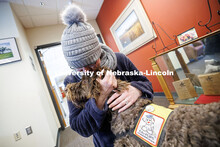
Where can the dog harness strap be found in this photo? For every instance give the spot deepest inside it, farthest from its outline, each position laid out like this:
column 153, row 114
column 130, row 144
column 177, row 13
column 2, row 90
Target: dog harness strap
column 150, row 126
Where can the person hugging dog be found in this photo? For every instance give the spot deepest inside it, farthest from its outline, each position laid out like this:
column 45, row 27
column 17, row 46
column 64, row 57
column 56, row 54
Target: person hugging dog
column 83, row 52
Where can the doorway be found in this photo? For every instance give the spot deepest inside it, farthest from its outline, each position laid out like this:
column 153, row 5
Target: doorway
column 55, row 69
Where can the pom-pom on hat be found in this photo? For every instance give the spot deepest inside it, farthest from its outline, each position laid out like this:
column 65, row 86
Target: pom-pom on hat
column 79, row 42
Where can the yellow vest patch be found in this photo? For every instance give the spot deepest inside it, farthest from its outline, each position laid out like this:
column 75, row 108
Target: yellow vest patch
column 151, row 123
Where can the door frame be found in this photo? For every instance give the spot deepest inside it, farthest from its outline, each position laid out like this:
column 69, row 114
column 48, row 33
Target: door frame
column 53, row 97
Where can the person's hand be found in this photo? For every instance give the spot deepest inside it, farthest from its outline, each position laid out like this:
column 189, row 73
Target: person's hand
column 124, row 100
column 108, row 83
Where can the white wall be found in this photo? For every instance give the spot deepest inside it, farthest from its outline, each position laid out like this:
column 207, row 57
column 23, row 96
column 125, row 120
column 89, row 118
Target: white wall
column 24, row 99
column 7, row 20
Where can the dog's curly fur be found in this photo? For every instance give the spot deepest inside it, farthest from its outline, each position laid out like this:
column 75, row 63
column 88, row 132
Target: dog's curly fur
column 194, row 126
column 188, row 126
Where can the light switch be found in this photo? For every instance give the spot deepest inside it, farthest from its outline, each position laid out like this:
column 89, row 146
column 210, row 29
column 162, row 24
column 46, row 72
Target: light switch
column 29, row 130
column 17, row 136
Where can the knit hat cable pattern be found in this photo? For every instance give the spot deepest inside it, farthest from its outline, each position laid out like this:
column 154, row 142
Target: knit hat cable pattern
column 79, row 41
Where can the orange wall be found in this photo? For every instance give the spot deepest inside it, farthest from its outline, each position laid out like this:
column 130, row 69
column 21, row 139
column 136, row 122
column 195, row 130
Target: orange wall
column 174, row 16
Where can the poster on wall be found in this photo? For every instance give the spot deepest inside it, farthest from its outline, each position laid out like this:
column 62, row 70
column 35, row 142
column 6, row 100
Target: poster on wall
column 9, row 51
column 132, row 29
column 187, row 36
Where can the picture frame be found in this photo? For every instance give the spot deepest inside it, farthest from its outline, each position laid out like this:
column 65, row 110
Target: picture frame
column 187, row 36
column 132, row 29
column 9, row 51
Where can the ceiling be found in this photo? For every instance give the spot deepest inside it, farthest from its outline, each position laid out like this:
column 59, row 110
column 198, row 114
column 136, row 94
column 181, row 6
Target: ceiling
column 32, row 13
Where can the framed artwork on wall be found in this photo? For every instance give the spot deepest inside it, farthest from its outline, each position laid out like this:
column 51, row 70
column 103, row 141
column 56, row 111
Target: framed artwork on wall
column 132, row 29
column 187, row 36
column 9, row 51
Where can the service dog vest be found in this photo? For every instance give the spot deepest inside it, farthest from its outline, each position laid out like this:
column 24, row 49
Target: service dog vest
column 150, row 125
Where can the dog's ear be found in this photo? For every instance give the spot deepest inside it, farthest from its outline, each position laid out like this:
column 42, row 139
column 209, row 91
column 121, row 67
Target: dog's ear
column 73, row 93
column 69, row 90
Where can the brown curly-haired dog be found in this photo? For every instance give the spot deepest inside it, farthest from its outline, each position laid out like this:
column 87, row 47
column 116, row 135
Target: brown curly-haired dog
column 187, row 126
column 194, row 126
column 89, row 87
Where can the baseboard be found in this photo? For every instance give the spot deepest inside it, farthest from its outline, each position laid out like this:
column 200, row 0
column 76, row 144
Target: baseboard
column 58, row 138
column 159, row 94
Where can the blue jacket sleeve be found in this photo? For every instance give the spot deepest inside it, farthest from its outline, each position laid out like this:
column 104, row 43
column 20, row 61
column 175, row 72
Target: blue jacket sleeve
column 86, row 121
column 139, row 81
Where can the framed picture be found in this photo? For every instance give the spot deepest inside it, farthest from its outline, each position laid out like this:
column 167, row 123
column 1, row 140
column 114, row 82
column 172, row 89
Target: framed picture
column 132, row 29
column 9, row 51
column 187, row 36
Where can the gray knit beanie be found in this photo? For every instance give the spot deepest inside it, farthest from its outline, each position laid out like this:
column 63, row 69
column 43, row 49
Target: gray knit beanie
column 79, row 42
